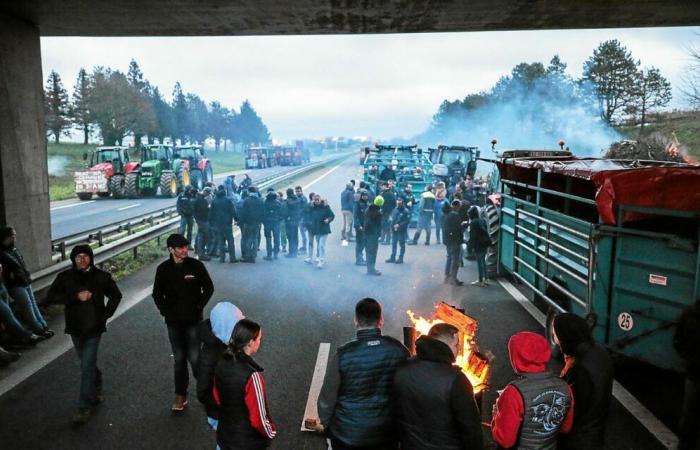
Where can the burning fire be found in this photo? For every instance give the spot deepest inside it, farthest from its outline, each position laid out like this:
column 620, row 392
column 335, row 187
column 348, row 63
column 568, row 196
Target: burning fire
column 474, row 365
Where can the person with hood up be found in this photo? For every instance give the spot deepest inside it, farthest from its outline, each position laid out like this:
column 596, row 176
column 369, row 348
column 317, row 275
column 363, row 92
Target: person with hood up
column 18, row 281
column 532, row 410
column 347, row 203
column 358, row 221
column 221, row 217
column 181, row 289
column 319, row 221
column 589, row 371
column 479, row 242
column 82, row 289
column 434, row 401
column 244, row 422
column 246, row 183
column 215, row 334
column 272, row 216
column 251, row 217
column 426, row 210
column 400, row 219
column 372, row 225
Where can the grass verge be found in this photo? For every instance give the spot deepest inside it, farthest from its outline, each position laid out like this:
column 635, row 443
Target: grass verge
column 125, row 264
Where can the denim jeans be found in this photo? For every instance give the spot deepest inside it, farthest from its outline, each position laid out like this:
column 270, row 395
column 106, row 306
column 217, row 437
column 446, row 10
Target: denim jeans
column 202, row 239
column 8, row 319
column 28, row 309
column 438, row 229
column 90, row 375
column 347, row 224
column 224, row 236
column 481, row 264
column 398, row 239
column 293, row 237
column 185, row 346
column 452, row 262
column 424, row 223
column 320, row 241
column 272, row 238
column 304, row 235
column 186, row 225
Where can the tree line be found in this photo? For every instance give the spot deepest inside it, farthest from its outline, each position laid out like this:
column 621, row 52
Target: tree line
column 613, row 86
column 117, row 105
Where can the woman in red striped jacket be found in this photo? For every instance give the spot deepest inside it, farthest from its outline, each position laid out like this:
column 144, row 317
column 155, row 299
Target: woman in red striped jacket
column 239, row 390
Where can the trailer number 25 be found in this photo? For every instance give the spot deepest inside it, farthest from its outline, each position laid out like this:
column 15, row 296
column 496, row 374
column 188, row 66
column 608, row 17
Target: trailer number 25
column 625, row 321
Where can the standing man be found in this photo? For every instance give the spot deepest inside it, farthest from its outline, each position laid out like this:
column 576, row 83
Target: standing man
column 373, row 231
column 387, row 209
column 433, row 399
column 82, row 289
column 201, row 216
column 347, row 200
column 358, row 220
column 271, row 222
column 221, row 217
column 355, row 405
column 304, row 203
column 185, row 208
column 400, row 219
column 181, row 290
column 292, row 213
column 426, row 211
column 251, row 217
column 453, row 237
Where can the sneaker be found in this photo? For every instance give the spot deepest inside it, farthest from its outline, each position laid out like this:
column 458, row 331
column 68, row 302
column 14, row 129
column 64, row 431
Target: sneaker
column 412, row 243
column 81, row 417
column 308, row 260
column 458, row 283
column 46, row 333
column 375, row 273
column 320, row 263
column 390, row 260
column 399, row 261
column 360, row 263
column 180, row 403
column 478, row 283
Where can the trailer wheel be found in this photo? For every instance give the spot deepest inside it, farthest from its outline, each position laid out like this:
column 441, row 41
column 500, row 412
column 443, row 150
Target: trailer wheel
column 549, row 332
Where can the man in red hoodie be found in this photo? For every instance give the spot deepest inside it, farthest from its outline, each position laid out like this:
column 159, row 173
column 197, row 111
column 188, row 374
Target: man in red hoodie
column 533, row 409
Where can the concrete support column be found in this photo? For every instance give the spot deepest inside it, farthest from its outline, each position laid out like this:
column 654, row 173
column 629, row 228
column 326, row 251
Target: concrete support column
column 24, row 180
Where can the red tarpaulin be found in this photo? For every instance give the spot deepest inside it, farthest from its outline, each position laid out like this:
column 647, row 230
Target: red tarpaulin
column 651, row 184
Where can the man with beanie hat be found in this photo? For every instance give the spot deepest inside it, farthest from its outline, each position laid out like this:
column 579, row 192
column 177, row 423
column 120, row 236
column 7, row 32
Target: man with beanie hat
column 532, row 410
column 215, row 335
column 589, row 372
column 181, row 289
column 82, row 289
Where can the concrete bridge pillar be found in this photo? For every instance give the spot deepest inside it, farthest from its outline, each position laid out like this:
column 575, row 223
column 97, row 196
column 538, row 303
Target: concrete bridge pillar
column 24, row 180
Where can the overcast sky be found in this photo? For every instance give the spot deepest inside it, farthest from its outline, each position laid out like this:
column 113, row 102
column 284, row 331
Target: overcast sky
column 354, row 85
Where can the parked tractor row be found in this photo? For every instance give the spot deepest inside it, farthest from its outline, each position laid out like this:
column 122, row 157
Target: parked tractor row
column 162, row 170
column 264, row 157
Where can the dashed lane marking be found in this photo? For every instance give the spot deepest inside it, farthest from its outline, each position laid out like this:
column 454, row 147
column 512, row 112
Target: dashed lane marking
column 311, row 410
column 660, row 431
column 56, row 208
column 128, row 207
column 322, row 176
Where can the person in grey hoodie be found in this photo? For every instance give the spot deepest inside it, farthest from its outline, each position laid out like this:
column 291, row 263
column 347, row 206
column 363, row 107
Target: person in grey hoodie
column 215, row 334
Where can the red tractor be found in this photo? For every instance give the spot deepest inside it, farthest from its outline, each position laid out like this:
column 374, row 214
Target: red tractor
column 106, row 173
column 201, row 171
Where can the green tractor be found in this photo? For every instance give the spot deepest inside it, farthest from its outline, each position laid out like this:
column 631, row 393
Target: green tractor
column 159, row 168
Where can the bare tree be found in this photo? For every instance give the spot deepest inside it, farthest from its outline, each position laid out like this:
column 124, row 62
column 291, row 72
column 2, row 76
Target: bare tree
column 691, row 80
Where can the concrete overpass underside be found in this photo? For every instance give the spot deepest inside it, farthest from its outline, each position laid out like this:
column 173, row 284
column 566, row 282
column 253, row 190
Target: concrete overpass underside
column 24, row 200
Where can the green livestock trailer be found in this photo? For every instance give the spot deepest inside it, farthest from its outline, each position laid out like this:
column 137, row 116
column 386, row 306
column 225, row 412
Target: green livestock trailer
column 613, row 241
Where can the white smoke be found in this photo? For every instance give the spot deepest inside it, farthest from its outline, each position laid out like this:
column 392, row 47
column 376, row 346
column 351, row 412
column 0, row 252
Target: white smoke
column 57, row 165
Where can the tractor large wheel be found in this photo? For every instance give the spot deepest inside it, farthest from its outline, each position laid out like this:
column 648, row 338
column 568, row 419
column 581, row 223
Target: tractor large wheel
column 168, row 185
column 208, row 173
column 131, row 185
column 84, row 195
column 182, row 178
column 196, row 179
column 117, row 186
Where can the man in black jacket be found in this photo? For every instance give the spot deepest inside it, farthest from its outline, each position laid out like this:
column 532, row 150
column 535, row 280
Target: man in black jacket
column 181, row 290
column 292, row 215
column 201, row 216
column 185, row 207
column 453, row 236
column 433, row 399
column 221, row 217
column 355, row 401
column 358, row 221
column 251, row 217
column 271, row 220
column 82, row 289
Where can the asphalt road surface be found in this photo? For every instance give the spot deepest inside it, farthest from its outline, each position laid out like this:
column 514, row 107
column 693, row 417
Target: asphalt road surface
column 75, row 216
column 299, row 307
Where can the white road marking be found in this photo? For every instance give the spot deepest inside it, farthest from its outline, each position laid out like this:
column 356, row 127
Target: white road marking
column 56, row 208
column 322, row 176
column 311, row 410
column 128, row 207
column 660, row 431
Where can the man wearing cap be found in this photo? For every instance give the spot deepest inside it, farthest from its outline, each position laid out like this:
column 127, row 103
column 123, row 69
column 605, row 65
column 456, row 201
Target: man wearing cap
column 82, row 289
column 181, row 289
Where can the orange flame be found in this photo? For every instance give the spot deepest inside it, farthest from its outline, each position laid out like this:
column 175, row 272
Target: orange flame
column 473, row 364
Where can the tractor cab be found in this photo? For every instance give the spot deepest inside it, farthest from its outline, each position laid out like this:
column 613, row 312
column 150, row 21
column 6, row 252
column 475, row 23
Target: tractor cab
column 162, row 154
column 450, row 163
column 108, row 159
column 107, row 167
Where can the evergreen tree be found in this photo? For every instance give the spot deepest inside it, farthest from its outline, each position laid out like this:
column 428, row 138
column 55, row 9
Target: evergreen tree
column 252, row 129
column 613, row 73
column 651, row 91
column 179, row 111
column 79, row 107
column 56, row 107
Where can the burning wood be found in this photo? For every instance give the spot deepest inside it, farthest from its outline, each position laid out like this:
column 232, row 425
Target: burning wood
column 474, row 365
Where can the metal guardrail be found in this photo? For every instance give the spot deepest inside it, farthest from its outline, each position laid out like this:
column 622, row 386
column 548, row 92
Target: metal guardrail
column 105, row 251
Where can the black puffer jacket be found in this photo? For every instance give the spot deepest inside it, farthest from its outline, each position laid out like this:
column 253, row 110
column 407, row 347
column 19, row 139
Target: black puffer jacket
column 434, row 402
column 87, row 318
column 355, row 402
column 273, row 209
column 15, row 272
column 181, row 291
column 292, row 209
column 252, row 210
column 318, row 214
